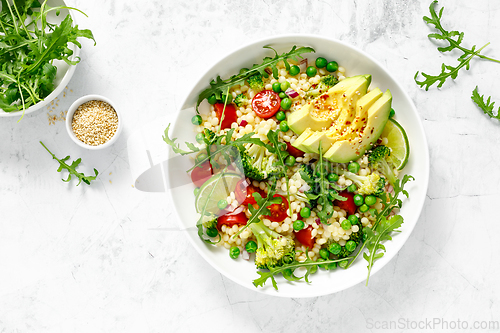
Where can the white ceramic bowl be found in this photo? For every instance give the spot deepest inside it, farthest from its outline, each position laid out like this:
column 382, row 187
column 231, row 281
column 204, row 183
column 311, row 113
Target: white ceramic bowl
column 64, row 71
column 71, row 112
column 356, row 62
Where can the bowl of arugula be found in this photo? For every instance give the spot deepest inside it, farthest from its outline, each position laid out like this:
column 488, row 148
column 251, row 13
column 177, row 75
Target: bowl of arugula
column 39, row 51
column 375, row 254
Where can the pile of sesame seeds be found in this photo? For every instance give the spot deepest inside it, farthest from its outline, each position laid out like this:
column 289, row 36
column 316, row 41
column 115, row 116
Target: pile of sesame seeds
column 95, row 122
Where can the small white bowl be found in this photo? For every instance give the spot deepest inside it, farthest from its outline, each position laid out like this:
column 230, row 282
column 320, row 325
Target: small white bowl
column 71, row 112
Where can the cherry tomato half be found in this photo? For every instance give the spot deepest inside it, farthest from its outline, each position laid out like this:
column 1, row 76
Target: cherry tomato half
column 305, row 237
column 293, row 151
column 278, row 211
column 349, row 206
column 230, row 220
column 229, row 114
column 266, row 103
column 244, row 192
column 201, row 174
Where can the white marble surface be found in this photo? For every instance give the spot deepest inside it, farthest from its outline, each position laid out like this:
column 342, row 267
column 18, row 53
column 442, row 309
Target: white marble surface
column 88, row 258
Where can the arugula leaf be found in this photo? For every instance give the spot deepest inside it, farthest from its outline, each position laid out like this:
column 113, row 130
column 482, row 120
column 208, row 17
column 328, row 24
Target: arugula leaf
column 487, row 106
column 71, row 168
column 382, row 232
column 175, row 146
column 453, row 40
column 218, row 86
column 287, row 270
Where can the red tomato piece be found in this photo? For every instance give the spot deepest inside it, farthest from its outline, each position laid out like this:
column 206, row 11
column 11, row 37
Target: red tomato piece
column 349, row 206
column 266, row 103
column 279, row 212
column 305, row 237
column 230, row 220
column 200, row 174
column 293, row 151
column 244, row 192
column 229, row 114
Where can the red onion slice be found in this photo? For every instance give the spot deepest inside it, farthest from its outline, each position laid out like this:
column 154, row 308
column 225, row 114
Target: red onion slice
column 243, row 123
column 245, row 255
column 303, row 65
column 292, row 93
column 304, row 188
column 237, row 210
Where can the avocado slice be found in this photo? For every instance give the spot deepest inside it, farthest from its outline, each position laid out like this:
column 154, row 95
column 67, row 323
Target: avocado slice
column 349, row 109
column 321, row 112
column 299, row 142
column 352, row 148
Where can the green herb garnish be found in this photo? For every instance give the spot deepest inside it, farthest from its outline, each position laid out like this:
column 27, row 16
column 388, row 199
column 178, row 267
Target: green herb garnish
column 487, row 106
column 218, row 86
column 454, row 40
column 27, row 51
column 71, row 168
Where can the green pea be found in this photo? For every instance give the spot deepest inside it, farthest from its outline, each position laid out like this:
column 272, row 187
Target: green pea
column 353, row 167
column 324, row 253
column 284, row 86
column 298, row 225
column 352, row 188
column 212, row 232
column 365, row 235
column 201, row 157
column 370, row 200
column 305, row 212
column 212, row 99
column 251, row 246
column 358, row 200
column 282, row 95
column 286, row 103
column 321, row 62
column 334, row 248
column 343, row 263
column 290, row 161
column 332, row 266
column 196, row 191
column 324, row 266
column 277, row 87
column 392, row 113
column 196, row 120
column 280, row 115
column 284, row 126
column 234, row 252
column 200, row 138
column 222, row 204
column 354, row 219
column 332, row 66
column 294, row 70
column 311, row 71
column 346, row 224
column 364, row 208
column 350, row 246
column 332, row 177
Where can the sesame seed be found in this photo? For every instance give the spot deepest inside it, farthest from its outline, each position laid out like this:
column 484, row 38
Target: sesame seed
column 95, row 122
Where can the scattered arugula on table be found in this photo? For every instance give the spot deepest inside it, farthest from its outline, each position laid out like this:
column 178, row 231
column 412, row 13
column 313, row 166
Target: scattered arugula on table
column 71, row 168
column 219, row 86
column 487, row 106
column 453, row 39
column 28, row 46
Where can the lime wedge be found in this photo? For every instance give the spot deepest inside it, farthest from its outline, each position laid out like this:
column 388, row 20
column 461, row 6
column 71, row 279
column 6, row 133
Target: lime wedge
column 398, row 142
column 216, row 188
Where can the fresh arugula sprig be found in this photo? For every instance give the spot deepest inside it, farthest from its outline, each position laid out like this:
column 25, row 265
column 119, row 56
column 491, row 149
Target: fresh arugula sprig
column 71, row 168
column 27, row 51
column 287, row 270
column 218, row 86
column 382, row 227
column 487, row 106
column 453, row 40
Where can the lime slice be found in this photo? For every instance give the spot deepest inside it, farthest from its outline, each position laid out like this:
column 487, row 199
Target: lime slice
column 216, row 188
column 398, row 142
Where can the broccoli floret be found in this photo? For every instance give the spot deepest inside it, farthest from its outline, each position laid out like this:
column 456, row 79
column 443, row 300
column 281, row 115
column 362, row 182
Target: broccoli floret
column 307, row 174
column 240, row 100
column 209, row 221
column 273, row 249
column 255, row 82
column 257, row 164
column 325, row 83
column 378, row 161
column 370, row 184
